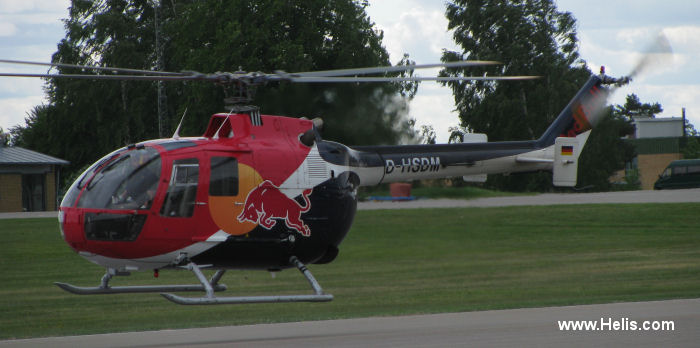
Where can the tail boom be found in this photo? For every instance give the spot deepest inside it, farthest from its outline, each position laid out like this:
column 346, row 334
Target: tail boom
column 557, row 149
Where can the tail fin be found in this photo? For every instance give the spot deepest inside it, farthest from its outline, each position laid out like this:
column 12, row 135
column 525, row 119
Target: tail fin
column 569, row 131
column 581, row 114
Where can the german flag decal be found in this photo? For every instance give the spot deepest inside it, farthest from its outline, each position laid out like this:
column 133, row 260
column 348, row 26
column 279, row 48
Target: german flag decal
column 567, row 150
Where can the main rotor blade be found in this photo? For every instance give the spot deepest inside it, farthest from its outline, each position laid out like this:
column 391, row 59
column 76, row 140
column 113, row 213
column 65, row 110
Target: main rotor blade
column 256, row 78
column 113, row 77
column 386, row 69
column 407, row 79
column 121, row 70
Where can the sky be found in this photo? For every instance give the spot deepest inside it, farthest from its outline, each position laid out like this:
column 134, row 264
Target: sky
column 611, row 33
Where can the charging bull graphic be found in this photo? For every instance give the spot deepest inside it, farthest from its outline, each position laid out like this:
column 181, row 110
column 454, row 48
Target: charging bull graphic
column 266, row 202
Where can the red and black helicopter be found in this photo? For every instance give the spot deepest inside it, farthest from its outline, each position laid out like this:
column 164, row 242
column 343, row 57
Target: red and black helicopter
column 267, row 192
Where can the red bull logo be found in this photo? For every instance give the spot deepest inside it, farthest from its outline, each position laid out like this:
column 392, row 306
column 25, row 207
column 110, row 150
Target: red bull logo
column 266, row 203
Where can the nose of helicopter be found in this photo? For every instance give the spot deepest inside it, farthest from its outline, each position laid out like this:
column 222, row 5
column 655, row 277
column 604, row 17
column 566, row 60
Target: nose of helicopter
column 61, row 216
column 70, row 227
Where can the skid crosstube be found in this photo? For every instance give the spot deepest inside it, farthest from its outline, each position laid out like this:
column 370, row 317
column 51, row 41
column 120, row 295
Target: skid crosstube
column 210, row 299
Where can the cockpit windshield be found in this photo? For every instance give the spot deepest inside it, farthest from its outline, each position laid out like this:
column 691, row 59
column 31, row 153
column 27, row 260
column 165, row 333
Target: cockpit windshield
column 127, row 181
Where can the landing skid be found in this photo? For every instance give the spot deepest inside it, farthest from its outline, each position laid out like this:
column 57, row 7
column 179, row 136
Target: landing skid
column 207, row 285
column 104, row 287
column 210, row 299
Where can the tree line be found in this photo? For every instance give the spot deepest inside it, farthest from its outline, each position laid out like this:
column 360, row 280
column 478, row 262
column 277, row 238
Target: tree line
column 85, row 119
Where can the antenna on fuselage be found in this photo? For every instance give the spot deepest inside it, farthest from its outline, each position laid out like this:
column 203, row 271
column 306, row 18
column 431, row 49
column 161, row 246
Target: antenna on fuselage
column 176, row 135
column 216, row 135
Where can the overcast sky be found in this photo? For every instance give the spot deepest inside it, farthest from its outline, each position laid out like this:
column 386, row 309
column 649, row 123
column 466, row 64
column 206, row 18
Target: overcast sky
column 611, row 33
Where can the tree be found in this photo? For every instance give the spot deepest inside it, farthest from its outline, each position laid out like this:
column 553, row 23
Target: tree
column 291, row 36
column 37, row 131
column 530, row 38
column 5, row 138
column 634, row 108
column 427, row 134
column 90, row 118
column 85, row 119
column 456, row 134
column 606, row 152
column 690, row 148
column 690, row 129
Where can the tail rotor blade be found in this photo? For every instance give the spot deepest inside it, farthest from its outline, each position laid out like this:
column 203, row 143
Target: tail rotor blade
column 656, row 54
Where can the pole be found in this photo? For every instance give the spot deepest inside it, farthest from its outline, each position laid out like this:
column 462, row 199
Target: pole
column 684, row 132
column 162, row 98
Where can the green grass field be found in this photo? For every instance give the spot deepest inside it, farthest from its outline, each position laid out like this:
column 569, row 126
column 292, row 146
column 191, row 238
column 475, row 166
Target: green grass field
column 392, row 263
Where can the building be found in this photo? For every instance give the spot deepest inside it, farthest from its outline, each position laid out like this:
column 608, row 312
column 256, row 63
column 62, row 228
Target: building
column 658, row 141
column 661, row 127
column 28, row 180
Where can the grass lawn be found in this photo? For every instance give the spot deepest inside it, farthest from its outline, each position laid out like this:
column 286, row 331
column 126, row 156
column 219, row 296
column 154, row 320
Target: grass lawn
column 392, row 263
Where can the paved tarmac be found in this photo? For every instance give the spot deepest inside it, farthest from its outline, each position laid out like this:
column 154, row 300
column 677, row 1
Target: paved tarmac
column 532, row 327
column 666, row 196
column 29, row 215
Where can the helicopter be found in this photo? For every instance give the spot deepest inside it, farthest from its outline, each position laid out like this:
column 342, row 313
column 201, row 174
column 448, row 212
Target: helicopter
column 266, row 192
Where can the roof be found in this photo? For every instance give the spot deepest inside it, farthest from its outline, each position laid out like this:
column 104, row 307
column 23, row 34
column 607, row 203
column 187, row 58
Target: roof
column 17, row 155
column 656, row 119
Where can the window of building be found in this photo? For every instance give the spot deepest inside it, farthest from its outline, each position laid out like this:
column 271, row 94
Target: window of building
column 33, row 192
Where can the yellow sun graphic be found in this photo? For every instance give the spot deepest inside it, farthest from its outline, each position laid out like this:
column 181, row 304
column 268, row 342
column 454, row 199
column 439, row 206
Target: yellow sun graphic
column 225, row 209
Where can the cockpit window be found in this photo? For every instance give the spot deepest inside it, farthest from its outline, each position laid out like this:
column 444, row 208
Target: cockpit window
column 128, row 181
column 77, row 186
column 182, row 192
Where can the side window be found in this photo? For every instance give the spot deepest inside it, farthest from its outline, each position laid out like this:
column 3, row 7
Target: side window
column 224, row 176
column 182, row 192
column 680, row 170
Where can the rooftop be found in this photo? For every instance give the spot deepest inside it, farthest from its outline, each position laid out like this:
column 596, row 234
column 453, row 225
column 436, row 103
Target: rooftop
column 17, row 155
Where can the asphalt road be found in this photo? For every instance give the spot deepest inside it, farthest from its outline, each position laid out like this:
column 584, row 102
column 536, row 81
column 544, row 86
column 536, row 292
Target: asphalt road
column 503, row 328
column 666, row 196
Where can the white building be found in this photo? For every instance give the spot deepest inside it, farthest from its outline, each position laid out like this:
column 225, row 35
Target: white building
column 660, row 127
